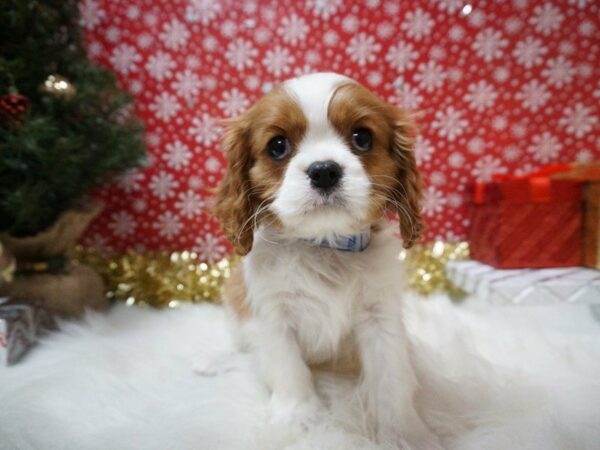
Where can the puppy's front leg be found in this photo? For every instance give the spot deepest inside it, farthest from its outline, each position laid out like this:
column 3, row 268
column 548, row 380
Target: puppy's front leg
column 294, row 399
column 388, row 382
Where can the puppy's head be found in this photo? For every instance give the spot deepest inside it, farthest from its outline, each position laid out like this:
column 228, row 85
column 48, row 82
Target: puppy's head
column 318, row 156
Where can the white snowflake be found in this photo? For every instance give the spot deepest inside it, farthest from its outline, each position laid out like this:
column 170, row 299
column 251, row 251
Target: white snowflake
column 189, row 204
column 499, row 123
column 252, row 82
column 131, row 180
column 533, row 95
column 210, row 248
column 234, row 102
column 477, row 18
column 139, row 205
column 240, row 53
column 205, row 129
column 481, row 96
column 489, row 44
column 278, row 61
column 456, row 160
column 132, row 12
column 476, row 146
column 401, row 56
column 163, row 185
column 122, row 224
column 350, row 24
column 228, row 28
column 487, row 166
column 437, row 52
column 512, row 153
column 513, row 25
column 430, row 76
column 168, row 225
column 176, row 155
column 160, row 66
column 501, row 74
column 417, row 24
column 113, row 34
column 456, row 33
column 363, row 48
column 165, row 105
column 213, row 165
column 90, row 14
column 578, row 120
column 449, row 123
column 450, row 6
column 437, row 178
column 293, row 29
column 174, row 35
column 145, row 40
column 423, row 149
column 196, row 182
column 331, row 38
column 324, row 8
column 566, row 48
column 385, row 30
column 529, row 52
column 186, row 84
column 546, row 18
column 545, row 147
column 433, row 201
column 203, row 11
column 587, row 28
column 124, row 58
column 559, row 71
column 408, row 96
column 374, row 78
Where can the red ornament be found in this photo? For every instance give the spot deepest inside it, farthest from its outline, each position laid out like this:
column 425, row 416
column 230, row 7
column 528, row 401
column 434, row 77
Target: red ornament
column 12, row 108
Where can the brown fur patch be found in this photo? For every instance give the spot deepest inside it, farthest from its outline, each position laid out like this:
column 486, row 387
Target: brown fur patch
column 252, row 176
column 390, row 163
column 234, row 293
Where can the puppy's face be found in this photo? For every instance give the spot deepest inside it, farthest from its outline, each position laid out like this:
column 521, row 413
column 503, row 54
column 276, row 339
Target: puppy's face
column 318, row 156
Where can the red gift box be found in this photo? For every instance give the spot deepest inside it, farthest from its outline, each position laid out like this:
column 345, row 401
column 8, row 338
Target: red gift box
column 527, row 221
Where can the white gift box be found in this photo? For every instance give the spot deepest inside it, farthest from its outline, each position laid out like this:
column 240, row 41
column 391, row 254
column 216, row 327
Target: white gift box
column 576, row 285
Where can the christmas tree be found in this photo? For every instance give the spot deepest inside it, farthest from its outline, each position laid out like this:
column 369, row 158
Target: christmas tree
column 65, row 126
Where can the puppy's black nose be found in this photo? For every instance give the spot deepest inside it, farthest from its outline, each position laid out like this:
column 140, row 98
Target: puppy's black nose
column 324, row 175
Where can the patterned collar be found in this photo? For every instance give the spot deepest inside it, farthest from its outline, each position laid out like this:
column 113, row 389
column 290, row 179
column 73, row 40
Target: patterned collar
column 347, row 243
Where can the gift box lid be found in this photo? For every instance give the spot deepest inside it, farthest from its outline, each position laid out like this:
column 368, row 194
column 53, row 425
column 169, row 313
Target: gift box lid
column 540, row 186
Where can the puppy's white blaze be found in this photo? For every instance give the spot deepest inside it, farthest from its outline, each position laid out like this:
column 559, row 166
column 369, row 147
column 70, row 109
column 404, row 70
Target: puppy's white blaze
column 296, row 203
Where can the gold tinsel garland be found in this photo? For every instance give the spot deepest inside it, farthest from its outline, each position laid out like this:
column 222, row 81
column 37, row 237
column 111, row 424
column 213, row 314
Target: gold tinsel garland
column 165, row 279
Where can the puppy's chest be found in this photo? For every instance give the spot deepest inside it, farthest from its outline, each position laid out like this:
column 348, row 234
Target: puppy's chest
column 317, row 294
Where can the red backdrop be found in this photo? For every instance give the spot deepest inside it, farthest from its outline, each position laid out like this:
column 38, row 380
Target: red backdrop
column 501, row 86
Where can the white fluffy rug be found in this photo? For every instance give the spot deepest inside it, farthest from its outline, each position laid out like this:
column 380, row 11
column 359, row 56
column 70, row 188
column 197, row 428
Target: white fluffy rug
column 494, row 379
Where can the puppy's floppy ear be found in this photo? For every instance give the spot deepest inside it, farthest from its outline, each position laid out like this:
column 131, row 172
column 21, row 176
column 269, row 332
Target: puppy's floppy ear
column 407, row 192
column 234, row 204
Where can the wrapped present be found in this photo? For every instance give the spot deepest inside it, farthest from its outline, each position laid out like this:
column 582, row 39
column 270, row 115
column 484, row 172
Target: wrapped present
column 589, row 174
column 573, row 285
column 527, row 221
column 21, row 323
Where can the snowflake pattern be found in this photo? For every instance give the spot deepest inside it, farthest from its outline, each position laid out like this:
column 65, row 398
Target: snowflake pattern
column 500, row 87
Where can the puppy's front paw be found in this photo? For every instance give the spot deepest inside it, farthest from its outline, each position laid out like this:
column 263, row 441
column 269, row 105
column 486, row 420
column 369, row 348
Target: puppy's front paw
column 288, row 412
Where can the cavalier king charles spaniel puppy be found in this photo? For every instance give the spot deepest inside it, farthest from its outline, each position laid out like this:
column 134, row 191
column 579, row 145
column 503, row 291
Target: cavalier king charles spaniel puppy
column 314, row 170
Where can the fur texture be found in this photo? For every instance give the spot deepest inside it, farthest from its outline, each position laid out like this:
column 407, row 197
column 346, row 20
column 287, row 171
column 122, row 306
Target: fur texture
column 492, row 378
column 299, row 304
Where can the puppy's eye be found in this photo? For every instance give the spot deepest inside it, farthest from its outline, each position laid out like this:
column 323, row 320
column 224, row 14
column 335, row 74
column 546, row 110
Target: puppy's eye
column 279, row 147
column 362, row 139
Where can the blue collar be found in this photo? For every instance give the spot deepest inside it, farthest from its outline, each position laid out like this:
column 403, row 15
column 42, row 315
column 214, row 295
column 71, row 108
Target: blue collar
column 346, row 243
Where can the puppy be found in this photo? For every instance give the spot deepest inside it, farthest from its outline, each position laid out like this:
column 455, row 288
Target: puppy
column 314, row 169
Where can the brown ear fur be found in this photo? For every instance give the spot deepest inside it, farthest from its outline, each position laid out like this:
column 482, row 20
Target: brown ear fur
column 234, row 205
column 407, row 193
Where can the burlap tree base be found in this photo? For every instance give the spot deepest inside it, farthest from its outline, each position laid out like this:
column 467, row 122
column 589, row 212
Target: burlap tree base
column 64, row 288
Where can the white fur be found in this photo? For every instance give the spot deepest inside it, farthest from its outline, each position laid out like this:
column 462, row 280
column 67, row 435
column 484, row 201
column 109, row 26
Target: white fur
column 500, row 378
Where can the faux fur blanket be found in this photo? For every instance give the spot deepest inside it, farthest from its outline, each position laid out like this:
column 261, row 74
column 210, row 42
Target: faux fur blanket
column 494, row 378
